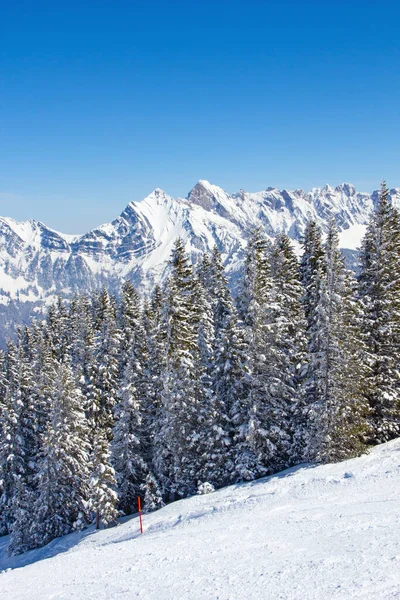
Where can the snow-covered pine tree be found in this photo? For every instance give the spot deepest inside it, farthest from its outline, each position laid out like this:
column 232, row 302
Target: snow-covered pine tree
column 287, row 353
column 336, row 407
column 82, row 340
column 278, row 359
column 38, row 352
column 57, row 325
column 210, row 446
column 104, row 369
column 176, row 443
column 102, row 395
column 5, row 479
column 256, row 277
column 103, row 497
column 152, row 494
column 313, row 273
column 253, row 302
column 22, row 505
column 130, row 447
column 62, row 478
column 379, row 294
column 155, row 363
column 312, row 270
column 129, row 319
column 228, row 462
column 19, row 434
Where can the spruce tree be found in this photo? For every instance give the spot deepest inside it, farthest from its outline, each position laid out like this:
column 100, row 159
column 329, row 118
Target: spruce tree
column 103, row 497
column 277, row 358
column 379, row 295
column 103, row 371
column 62, row 479
column 152, row 494
column 337, row 410
column 312, row 273
column 253, row 302
column 229, row 459
column 176, row 447
column 129, row 448
column 19, row 434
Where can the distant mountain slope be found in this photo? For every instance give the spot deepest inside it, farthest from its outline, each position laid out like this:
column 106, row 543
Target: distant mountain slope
column 308, row 533
column 36, row 262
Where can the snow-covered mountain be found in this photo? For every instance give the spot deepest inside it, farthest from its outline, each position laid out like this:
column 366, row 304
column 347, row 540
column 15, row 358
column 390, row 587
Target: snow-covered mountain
column 36, row 262
column 308, row 533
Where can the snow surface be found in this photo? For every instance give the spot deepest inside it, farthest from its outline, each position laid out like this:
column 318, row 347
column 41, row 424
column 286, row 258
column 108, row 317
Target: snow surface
column 351, row 238
column 307, row 533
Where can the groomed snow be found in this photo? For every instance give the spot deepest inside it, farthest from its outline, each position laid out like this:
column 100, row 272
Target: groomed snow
column 308, row 533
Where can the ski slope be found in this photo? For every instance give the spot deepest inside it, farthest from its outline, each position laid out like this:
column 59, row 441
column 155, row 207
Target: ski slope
column 307, row 533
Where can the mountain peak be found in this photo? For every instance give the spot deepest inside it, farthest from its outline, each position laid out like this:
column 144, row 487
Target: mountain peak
column 157, row 196
column 346, row 188
column 204, row 183
column 206, row 195
column 157, row 193
column 205, row 187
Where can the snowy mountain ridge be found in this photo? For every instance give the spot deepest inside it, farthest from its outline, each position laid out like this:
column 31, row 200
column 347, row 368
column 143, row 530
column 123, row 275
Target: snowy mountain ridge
column 37, row 262
column 312, row 532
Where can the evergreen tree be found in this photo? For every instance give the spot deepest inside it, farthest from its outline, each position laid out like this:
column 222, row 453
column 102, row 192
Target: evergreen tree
column 153, row 496
column 104, row 369
column 129, row 321
column 209, row 442
column 19, row 434
column 176, row 447
column 155, row 363
column 379, row 294
column 256, row 279
column 313, row 273
column 129, row 450
column 82, row 341
column 62, row 478
column 337, row 414
column 228, row 460
column 57, row 325
column 278, row 359
column 102, row 394
column 103, row 497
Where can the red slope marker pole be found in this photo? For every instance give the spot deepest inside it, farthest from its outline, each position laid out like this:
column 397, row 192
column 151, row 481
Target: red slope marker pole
column 140, row 514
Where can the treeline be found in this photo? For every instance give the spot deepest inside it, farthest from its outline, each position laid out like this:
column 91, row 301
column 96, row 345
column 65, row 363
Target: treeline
column 109, row 399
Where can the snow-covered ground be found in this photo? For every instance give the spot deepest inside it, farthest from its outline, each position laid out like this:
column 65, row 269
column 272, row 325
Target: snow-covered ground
column 307, row 533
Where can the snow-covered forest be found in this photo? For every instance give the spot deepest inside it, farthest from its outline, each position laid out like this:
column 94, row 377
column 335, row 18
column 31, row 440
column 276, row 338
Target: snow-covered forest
column 113, row 398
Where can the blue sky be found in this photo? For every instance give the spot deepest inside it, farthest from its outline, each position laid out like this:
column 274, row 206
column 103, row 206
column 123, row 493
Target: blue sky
column 101, row 102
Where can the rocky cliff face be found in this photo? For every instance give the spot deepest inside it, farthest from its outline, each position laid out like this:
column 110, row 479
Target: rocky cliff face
column 37, row 263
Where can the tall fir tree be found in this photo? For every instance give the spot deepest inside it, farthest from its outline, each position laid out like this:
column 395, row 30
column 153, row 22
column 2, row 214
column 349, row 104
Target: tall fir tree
column 103, row 498
column 176, row 444
column 379, row 295
column 104, row 369
column 278, row 357
column 336, row 409
column 228, row 461
column 62, row 477
column 253, row 304
column 19, row 440
column 130, row 447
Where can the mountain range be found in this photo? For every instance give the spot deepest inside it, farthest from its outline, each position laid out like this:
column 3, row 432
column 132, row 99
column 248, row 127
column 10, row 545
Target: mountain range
column 38, row 263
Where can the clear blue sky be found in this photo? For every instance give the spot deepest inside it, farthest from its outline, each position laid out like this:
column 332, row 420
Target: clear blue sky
column 102, row 101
